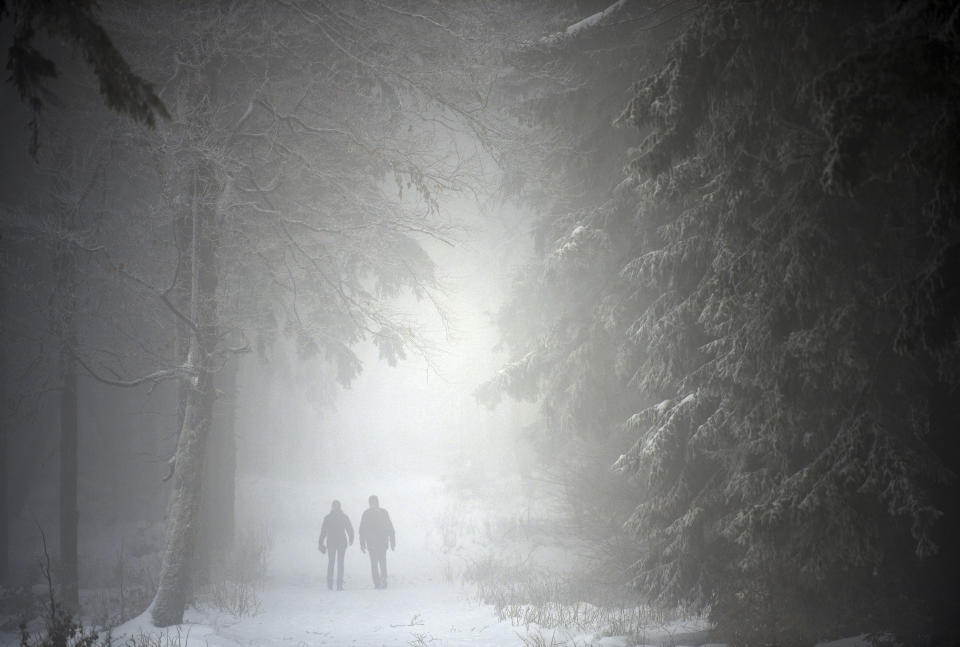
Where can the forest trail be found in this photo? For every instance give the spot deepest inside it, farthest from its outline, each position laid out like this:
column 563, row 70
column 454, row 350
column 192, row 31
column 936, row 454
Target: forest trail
column 421, row 608
column 421, row 614
column 305, row 613
column 427, row 603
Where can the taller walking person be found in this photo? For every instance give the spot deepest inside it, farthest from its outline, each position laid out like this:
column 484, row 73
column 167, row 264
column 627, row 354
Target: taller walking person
column 376, row 532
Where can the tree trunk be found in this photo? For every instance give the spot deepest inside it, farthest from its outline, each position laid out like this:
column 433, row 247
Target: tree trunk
column 181, row 292
column 184, row 515
column 4, row 467
column 69, row 515
column 229, row 456
column 4, row 508
column 219, row 485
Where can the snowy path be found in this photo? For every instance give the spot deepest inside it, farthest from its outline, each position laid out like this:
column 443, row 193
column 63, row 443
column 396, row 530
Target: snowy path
column 308, row 614
column 420, row 609
column 421, row 614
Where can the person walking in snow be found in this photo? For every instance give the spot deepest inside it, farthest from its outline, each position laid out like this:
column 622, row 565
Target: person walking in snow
column 376, row 532
column 338, row 533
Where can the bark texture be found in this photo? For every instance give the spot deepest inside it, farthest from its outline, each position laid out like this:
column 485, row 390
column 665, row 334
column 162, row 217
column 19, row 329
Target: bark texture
column 184, row 514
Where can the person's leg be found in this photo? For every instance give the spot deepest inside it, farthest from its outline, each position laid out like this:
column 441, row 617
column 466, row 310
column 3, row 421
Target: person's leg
column 377, row 558
column 373, row 568
column 331, row 556
column 383, row 568
column 340, row 553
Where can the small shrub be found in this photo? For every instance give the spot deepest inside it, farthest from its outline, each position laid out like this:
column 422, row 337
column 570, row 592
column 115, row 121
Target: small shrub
column 422, row 640
column 538, row 639
column 233, row 588
column 236, row 598
column 527, row 596
column 62, row 630
column 247, row 560
column 164, row 639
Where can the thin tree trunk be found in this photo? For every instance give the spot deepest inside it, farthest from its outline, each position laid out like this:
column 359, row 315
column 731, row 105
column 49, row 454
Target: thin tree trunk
column 4, row 467
column 65, row 302
column 184, row 515
column 229, row 454
column 4, row 508
column 69, row 514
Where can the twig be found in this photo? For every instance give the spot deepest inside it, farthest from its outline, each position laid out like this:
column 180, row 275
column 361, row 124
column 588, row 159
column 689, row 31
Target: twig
column 413, row 622
column 45, row 569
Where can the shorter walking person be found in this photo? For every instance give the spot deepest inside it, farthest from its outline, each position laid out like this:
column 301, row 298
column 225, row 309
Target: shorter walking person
column 338, row 534
column 376, row 532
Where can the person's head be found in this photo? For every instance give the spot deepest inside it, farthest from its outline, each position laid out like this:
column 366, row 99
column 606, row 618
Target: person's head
column 374, row 501
column 336, row 505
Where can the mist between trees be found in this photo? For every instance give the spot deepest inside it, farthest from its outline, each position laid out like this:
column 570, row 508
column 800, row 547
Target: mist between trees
column 698, row 259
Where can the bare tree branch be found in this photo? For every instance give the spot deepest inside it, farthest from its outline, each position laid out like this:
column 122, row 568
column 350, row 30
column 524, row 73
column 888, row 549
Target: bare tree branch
column 154, row 378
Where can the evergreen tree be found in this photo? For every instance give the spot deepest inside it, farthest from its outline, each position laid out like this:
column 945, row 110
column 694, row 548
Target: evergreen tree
column 560, row 325
column 782, row 305
column 802, row 456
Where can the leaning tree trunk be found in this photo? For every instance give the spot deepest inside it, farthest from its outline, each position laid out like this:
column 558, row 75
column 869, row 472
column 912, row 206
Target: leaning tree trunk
column 184, row 514
column 182, row 289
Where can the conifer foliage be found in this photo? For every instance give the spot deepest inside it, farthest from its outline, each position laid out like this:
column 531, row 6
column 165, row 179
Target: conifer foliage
column 800, row 458
column 783, row 322
column 76, row 23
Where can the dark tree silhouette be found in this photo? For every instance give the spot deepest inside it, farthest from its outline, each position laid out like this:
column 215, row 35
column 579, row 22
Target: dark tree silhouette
column 773, row 289
column 76, row 23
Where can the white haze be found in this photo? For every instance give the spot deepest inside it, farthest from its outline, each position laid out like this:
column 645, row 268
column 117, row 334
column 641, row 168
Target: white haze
column 402, row 432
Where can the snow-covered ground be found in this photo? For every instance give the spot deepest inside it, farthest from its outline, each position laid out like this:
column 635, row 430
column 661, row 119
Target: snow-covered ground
column 439, row 534
column 426, row 604
column 435, row 614
column 306, row 613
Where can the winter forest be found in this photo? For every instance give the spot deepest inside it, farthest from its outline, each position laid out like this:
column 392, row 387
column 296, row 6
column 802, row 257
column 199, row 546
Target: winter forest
column 480, row 322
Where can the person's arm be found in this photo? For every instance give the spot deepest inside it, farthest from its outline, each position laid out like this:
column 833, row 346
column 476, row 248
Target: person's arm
column 349, row 531
column 390, row 533
column 323, row 535
column 362, row 531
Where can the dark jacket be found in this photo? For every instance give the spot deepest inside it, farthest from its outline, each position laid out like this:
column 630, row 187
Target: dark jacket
column 376, row 530
column 336, row 529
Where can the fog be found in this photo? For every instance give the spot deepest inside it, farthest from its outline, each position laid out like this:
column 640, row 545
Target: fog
column 639, row 318
column 412, row 433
